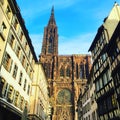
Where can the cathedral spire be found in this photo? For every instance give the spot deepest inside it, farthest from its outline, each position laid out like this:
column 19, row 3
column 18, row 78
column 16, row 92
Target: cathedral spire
column 52, row 19
column 50, row 39
column 52, row 11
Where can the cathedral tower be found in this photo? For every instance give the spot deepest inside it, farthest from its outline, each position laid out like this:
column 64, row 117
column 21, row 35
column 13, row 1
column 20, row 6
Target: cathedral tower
column 66, row 74
column 50, row 40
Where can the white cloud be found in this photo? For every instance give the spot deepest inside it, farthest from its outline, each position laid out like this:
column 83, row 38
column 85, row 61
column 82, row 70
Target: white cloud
column 39, row 7
column 75, row 45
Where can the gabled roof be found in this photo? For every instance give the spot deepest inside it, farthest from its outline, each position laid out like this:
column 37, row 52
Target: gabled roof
column 110, row 23
column 115, row 35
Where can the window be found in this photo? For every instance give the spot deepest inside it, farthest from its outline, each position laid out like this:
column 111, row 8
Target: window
column 117, row 79
column 10, row 94
column 24, row 42
column 84, row 76
column 23, row 60
column 118, row 44
column 15, row 71
column 21, row 56
column 21, row 103
column 21, row 36
column 108, row 75
column 97, row 86
column 26, row 103
column 2, row 86
column 16, row 98
column 96, row 66
column 64, row 97
column 7, row 62
column 100, row 40
column 28, row 90
column 81, row 71
column 105, row 79
column 3, row 26
column 104, row 57
column 2, row 30
column 11, row 40
column 17, row 51
column 20, row 79
column 25, row 82
column 5, row 89
column 26, row 46
column 114, row 101
column 50, row 48
column 86, row 70
column 100, row 83
column 29, row 54
column 27, row 66
column 103, row 36
column 8, row 12
column 117, row 50
column 109, row 103
column 61, row 72
column 31, row 73
column 30, row 70
column 68, row 72
column 77, row 75
column 15, row 23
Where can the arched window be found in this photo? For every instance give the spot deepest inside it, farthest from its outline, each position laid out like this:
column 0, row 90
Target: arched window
column 77, row 76
column 87, row 70
column 50, row 46
column 68, row 72
column 81, row 71
column 62, row 72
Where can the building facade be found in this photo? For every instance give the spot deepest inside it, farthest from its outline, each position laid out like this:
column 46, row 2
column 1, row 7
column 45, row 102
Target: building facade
column 66, row 74
column 94, row 114
column 39, row 99
column 17, row 59
column 4, row 21
column 87, row 106
column 103, row 64
column 113, row 51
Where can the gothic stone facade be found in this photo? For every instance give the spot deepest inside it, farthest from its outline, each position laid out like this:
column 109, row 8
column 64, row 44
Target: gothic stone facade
column 66, row 75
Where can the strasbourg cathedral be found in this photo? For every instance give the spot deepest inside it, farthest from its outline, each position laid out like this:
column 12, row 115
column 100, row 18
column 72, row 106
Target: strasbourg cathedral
column 66, row 74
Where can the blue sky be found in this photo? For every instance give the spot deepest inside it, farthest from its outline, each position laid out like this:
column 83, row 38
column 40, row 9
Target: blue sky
column 77, row 21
